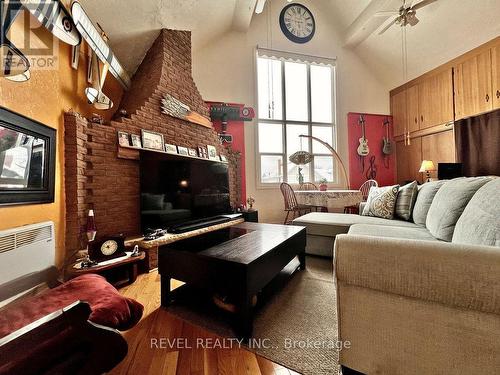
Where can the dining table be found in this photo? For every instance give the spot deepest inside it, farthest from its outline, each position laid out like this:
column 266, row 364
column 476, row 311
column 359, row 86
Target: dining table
column 334, row 200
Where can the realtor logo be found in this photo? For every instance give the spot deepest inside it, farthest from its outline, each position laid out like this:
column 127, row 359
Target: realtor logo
column 25, row 43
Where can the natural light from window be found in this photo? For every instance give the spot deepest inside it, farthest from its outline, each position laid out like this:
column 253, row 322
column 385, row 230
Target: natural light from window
column 294, row 98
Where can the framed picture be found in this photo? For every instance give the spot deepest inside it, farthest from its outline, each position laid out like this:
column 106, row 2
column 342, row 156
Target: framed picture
column 182, row 150
column 212, row 152
column 171, row 149
column 136, row 140
column 223, row 158
column 202, row 152
column 152, row 140
column 123, row 139
column 192, row 152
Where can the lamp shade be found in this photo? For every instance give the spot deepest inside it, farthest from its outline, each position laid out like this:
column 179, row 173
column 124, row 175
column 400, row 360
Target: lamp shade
column 427, row 166
column 301, row 157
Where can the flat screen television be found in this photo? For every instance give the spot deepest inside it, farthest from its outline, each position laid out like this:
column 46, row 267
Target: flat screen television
column 177, row 189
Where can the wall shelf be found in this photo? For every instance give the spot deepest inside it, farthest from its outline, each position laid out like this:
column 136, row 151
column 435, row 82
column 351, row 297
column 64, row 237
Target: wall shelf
column 127, row 155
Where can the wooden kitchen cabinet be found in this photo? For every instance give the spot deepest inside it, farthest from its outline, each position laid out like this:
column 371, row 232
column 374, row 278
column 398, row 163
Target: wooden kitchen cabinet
column 495, row 75
column 439, row 147
column 412, row 108
column 398, row 111
column 473, row 86
column 408, row 160
column 435, row 96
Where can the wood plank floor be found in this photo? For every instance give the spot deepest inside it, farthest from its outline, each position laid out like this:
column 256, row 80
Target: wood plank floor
column 175, row 350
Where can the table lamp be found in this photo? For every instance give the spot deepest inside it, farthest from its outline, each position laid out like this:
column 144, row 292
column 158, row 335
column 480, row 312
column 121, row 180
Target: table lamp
column 427, row 166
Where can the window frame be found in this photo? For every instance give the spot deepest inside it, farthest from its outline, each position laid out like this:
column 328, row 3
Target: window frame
column 284, row 122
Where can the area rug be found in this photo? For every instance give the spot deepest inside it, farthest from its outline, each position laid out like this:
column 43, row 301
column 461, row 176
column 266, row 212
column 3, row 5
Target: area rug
column 295, row 321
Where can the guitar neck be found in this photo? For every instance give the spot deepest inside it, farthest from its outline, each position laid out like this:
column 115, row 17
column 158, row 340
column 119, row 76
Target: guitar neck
column 362, row 123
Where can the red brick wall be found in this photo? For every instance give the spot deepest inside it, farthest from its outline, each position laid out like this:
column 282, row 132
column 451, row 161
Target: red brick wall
column 100, row 175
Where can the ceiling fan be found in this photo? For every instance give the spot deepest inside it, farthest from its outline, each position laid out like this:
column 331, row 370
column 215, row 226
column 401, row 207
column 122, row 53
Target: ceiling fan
column 406, row 15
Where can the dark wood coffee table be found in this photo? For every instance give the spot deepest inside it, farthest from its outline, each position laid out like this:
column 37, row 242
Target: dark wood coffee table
column 237, row 262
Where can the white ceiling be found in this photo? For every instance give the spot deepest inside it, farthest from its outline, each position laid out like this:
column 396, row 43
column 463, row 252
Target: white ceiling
column 133, row 25
column 447, row 28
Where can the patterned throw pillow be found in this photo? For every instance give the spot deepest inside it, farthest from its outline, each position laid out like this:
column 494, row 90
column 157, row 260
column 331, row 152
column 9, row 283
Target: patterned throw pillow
column 406, row 199
column 381, row 202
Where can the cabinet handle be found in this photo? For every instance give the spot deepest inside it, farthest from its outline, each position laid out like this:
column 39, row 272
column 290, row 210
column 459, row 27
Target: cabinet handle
column 416, row 120
column 422, row 118
column 487, row 98
column 498, row 94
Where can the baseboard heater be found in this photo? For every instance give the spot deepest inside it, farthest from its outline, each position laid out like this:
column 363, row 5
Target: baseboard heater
column 27, row 254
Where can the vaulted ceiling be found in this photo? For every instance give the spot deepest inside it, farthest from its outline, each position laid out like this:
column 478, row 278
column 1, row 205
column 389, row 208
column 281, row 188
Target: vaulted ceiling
column 447, row 28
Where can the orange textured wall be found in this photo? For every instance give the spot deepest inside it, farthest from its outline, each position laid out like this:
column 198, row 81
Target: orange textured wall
column 45, row 97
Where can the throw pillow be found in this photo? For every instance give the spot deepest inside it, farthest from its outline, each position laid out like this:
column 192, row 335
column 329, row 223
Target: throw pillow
column 406, row 199
column 426, row 193
column 381, row 202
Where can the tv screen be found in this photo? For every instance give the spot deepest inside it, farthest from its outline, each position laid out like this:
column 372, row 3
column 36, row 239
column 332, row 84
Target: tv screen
column 176, row 189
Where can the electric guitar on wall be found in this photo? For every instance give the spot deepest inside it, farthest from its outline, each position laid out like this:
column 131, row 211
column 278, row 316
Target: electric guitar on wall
column 387, row 145
column 363, row 149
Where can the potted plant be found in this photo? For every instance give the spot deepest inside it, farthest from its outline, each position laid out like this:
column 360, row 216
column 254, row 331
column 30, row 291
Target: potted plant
column 322, row 184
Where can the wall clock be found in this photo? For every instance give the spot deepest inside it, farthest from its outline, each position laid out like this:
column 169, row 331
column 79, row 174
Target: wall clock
column 297, row 23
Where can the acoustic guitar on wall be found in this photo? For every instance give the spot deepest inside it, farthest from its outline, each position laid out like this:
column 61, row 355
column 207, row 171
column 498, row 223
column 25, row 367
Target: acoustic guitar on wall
column 387, row 145
column 363, row 149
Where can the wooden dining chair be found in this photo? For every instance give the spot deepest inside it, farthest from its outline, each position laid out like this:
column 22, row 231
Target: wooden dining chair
column 365, row 190
column 291, row 205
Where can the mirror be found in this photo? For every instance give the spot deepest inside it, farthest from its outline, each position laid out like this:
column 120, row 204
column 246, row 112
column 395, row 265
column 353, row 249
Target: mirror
column 27, row 160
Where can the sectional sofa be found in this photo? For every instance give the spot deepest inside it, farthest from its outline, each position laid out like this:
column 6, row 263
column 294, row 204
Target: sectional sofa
column 419, row 296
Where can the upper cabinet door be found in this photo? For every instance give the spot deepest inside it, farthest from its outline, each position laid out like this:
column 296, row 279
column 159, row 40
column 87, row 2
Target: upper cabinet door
column 436, row 99
column 495, row 71
column 473, row 88
column 412, row 106
column 444, row 98
column 398, row 111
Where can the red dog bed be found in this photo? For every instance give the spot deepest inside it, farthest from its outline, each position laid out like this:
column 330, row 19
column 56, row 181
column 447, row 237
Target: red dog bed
column 109, row 307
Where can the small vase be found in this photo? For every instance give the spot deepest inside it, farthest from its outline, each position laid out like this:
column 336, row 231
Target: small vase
column 323, row 187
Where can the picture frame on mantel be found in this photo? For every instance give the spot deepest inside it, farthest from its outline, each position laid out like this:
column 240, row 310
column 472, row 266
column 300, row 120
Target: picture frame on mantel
column 212, row 153
column 152, row 140
column 136, row 140
column 170, row 149
column 123, row 139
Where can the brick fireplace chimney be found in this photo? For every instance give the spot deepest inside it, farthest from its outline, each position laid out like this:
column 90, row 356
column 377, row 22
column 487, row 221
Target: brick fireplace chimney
column 101, row 176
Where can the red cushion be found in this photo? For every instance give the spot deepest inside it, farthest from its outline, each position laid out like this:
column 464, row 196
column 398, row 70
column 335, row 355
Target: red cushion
column 109, row 307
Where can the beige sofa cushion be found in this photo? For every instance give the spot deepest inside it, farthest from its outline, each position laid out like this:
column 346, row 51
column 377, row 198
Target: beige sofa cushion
column 331, row 224
column 426, row 193
column 449, row 203
column 391, row 232
column 480, row 221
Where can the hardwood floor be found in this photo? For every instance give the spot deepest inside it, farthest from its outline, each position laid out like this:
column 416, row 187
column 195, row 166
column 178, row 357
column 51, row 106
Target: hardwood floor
column 163, row 344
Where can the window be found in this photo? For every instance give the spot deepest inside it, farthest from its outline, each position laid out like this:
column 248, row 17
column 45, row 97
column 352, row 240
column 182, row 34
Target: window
column 295, row 97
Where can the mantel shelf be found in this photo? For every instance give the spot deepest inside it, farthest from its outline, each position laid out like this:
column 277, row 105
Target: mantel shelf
column 141, row 149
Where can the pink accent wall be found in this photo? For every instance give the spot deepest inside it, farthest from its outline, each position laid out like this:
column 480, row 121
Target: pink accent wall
column 375, row 132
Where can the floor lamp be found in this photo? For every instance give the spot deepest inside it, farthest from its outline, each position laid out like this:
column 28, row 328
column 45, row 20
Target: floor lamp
column 334, row 153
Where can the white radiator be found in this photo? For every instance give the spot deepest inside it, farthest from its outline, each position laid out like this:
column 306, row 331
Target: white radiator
column 26, row 249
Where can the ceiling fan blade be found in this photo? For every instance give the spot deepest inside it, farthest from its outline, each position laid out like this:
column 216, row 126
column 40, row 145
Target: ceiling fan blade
column 412, row 21
column 422, row 4
column 386, row 14
column 388, row 26
column 260, row 6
